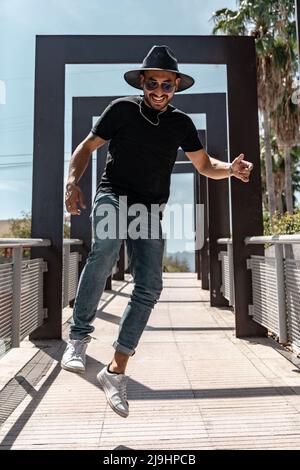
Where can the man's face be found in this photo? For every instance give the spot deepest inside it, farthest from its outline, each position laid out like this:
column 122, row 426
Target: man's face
column 156, row 96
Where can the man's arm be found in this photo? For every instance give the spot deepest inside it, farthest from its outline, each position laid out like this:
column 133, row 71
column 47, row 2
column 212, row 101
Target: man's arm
column 78, row 164
column 216, row 169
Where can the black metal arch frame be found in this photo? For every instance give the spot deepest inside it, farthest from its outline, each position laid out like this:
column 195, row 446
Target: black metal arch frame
column 213, row 194
column 52, row 53
column 83, row 109
column 213, row 105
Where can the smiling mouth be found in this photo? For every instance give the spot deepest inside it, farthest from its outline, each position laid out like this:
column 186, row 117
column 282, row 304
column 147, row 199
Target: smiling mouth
column 157, row 100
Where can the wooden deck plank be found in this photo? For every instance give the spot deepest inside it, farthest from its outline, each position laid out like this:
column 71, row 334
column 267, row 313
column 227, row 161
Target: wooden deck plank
column 192, row 385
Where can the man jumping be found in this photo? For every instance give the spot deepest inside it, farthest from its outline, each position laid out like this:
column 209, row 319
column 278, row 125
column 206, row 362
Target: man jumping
column 144, row 134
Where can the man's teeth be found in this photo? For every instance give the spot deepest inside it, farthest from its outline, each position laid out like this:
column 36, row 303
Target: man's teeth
column 158, row 100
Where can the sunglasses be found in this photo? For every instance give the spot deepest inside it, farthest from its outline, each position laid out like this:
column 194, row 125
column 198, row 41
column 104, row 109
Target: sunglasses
column 151, row 85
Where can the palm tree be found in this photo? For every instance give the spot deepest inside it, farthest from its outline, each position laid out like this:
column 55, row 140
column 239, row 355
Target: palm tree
column 278, row 165
column 286, row 122
column 286, row 117
column 278, row 175
column 295, row 157
column 262, row 19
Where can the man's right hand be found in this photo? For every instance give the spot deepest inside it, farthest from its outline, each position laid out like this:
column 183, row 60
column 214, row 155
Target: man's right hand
column 78, row 164
column 73, row 197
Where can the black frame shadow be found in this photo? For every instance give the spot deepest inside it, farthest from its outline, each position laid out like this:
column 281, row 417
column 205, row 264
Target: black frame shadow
column 52, row 53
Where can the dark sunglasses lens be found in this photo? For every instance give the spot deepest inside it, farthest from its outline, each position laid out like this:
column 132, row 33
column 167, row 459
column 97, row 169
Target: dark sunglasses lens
column 151, row 85
column 167, row 87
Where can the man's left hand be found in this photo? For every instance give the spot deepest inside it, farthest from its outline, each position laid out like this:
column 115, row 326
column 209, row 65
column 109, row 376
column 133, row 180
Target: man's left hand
column 241, row 169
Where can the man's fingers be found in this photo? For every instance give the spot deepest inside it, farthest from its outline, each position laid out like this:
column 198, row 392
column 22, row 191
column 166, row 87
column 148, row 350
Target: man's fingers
column 243, row 163
column 243, row 168
column 73, row 197
column 72, row 208
column 71, row 204
column 244, row 178
column 247, row 165
column 245, row 172
column 74, row 212
column 81, row 199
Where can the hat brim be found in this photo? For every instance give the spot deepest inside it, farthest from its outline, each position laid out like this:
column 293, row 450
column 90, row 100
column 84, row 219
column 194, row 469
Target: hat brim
column 132, row 77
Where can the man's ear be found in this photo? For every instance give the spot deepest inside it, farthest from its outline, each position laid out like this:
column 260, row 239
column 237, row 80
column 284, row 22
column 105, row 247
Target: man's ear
column 142, row 78
column 177, row 82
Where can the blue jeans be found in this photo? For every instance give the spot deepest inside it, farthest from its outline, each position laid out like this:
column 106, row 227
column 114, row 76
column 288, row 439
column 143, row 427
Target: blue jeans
column 145, row 257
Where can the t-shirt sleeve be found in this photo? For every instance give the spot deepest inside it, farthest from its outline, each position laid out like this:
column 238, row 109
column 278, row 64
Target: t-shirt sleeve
column 108, row 123
column 191, row 141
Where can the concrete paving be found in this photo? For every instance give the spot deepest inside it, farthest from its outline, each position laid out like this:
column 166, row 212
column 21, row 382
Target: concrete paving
column 192, row 385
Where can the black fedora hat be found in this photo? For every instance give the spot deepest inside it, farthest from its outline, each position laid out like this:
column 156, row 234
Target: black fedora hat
column 159, row 58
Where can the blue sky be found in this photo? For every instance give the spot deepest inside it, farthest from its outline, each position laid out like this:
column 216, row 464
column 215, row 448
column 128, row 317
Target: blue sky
column 22, row 20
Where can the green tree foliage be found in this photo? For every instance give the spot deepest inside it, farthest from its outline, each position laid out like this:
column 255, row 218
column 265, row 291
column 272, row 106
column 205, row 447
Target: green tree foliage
column 282, row 224
column 278, row 164
column 272, row 25
column 173, row 265
column 21, row 228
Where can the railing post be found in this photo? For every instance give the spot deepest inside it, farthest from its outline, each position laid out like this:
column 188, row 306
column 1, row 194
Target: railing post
column 66, row 255
column 281, row 293
column 16, row 292
column 231, row 273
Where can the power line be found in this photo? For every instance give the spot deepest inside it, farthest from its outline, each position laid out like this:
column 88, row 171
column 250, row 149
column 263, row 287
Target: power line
column 17, row 155
column 13, row 165
column 104, row 70
column 19, row 164
column 22, row 155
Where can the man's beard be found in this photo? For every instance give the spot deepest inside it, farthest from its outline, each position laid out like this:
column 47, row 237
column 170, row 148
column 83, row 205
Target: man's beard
column 149, row 103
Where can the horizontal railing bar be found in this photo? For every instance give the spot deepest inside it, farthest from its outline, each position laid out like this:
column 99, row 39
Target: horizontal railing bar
column 5, row 322
column 281, row 239
column 5, row 304
column 27, row 321
column 72, row 241
column 5, row 282
column 28, row 242
column 224, row 241
column 28, row 303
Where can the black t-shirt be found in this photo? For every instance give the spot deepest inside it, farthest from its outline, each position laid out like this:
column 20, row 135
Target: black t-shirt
column 141, row 155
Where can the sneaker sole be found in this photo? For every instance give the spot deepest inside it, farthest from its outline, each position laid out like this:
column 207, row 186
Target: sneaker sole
column 104, row 388
column 72, row 369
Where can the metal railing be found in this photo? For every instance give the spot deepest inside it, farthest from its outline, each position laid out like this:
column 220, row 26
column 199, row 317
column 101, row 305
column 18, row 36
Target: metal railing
column 226, row 258
column 21, row 293
column 70, row 271
column 275, row 286
column 276, row 289
column 21, row 289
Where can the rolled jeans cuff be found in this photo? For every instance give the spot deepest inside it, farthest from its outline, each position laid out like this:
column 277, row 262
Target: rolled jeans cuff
column 123, row 349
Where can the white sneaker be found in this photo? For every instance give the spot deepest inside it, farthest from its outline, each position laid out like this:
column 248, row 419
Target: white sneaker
column 74, row 355
column 114, row 387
